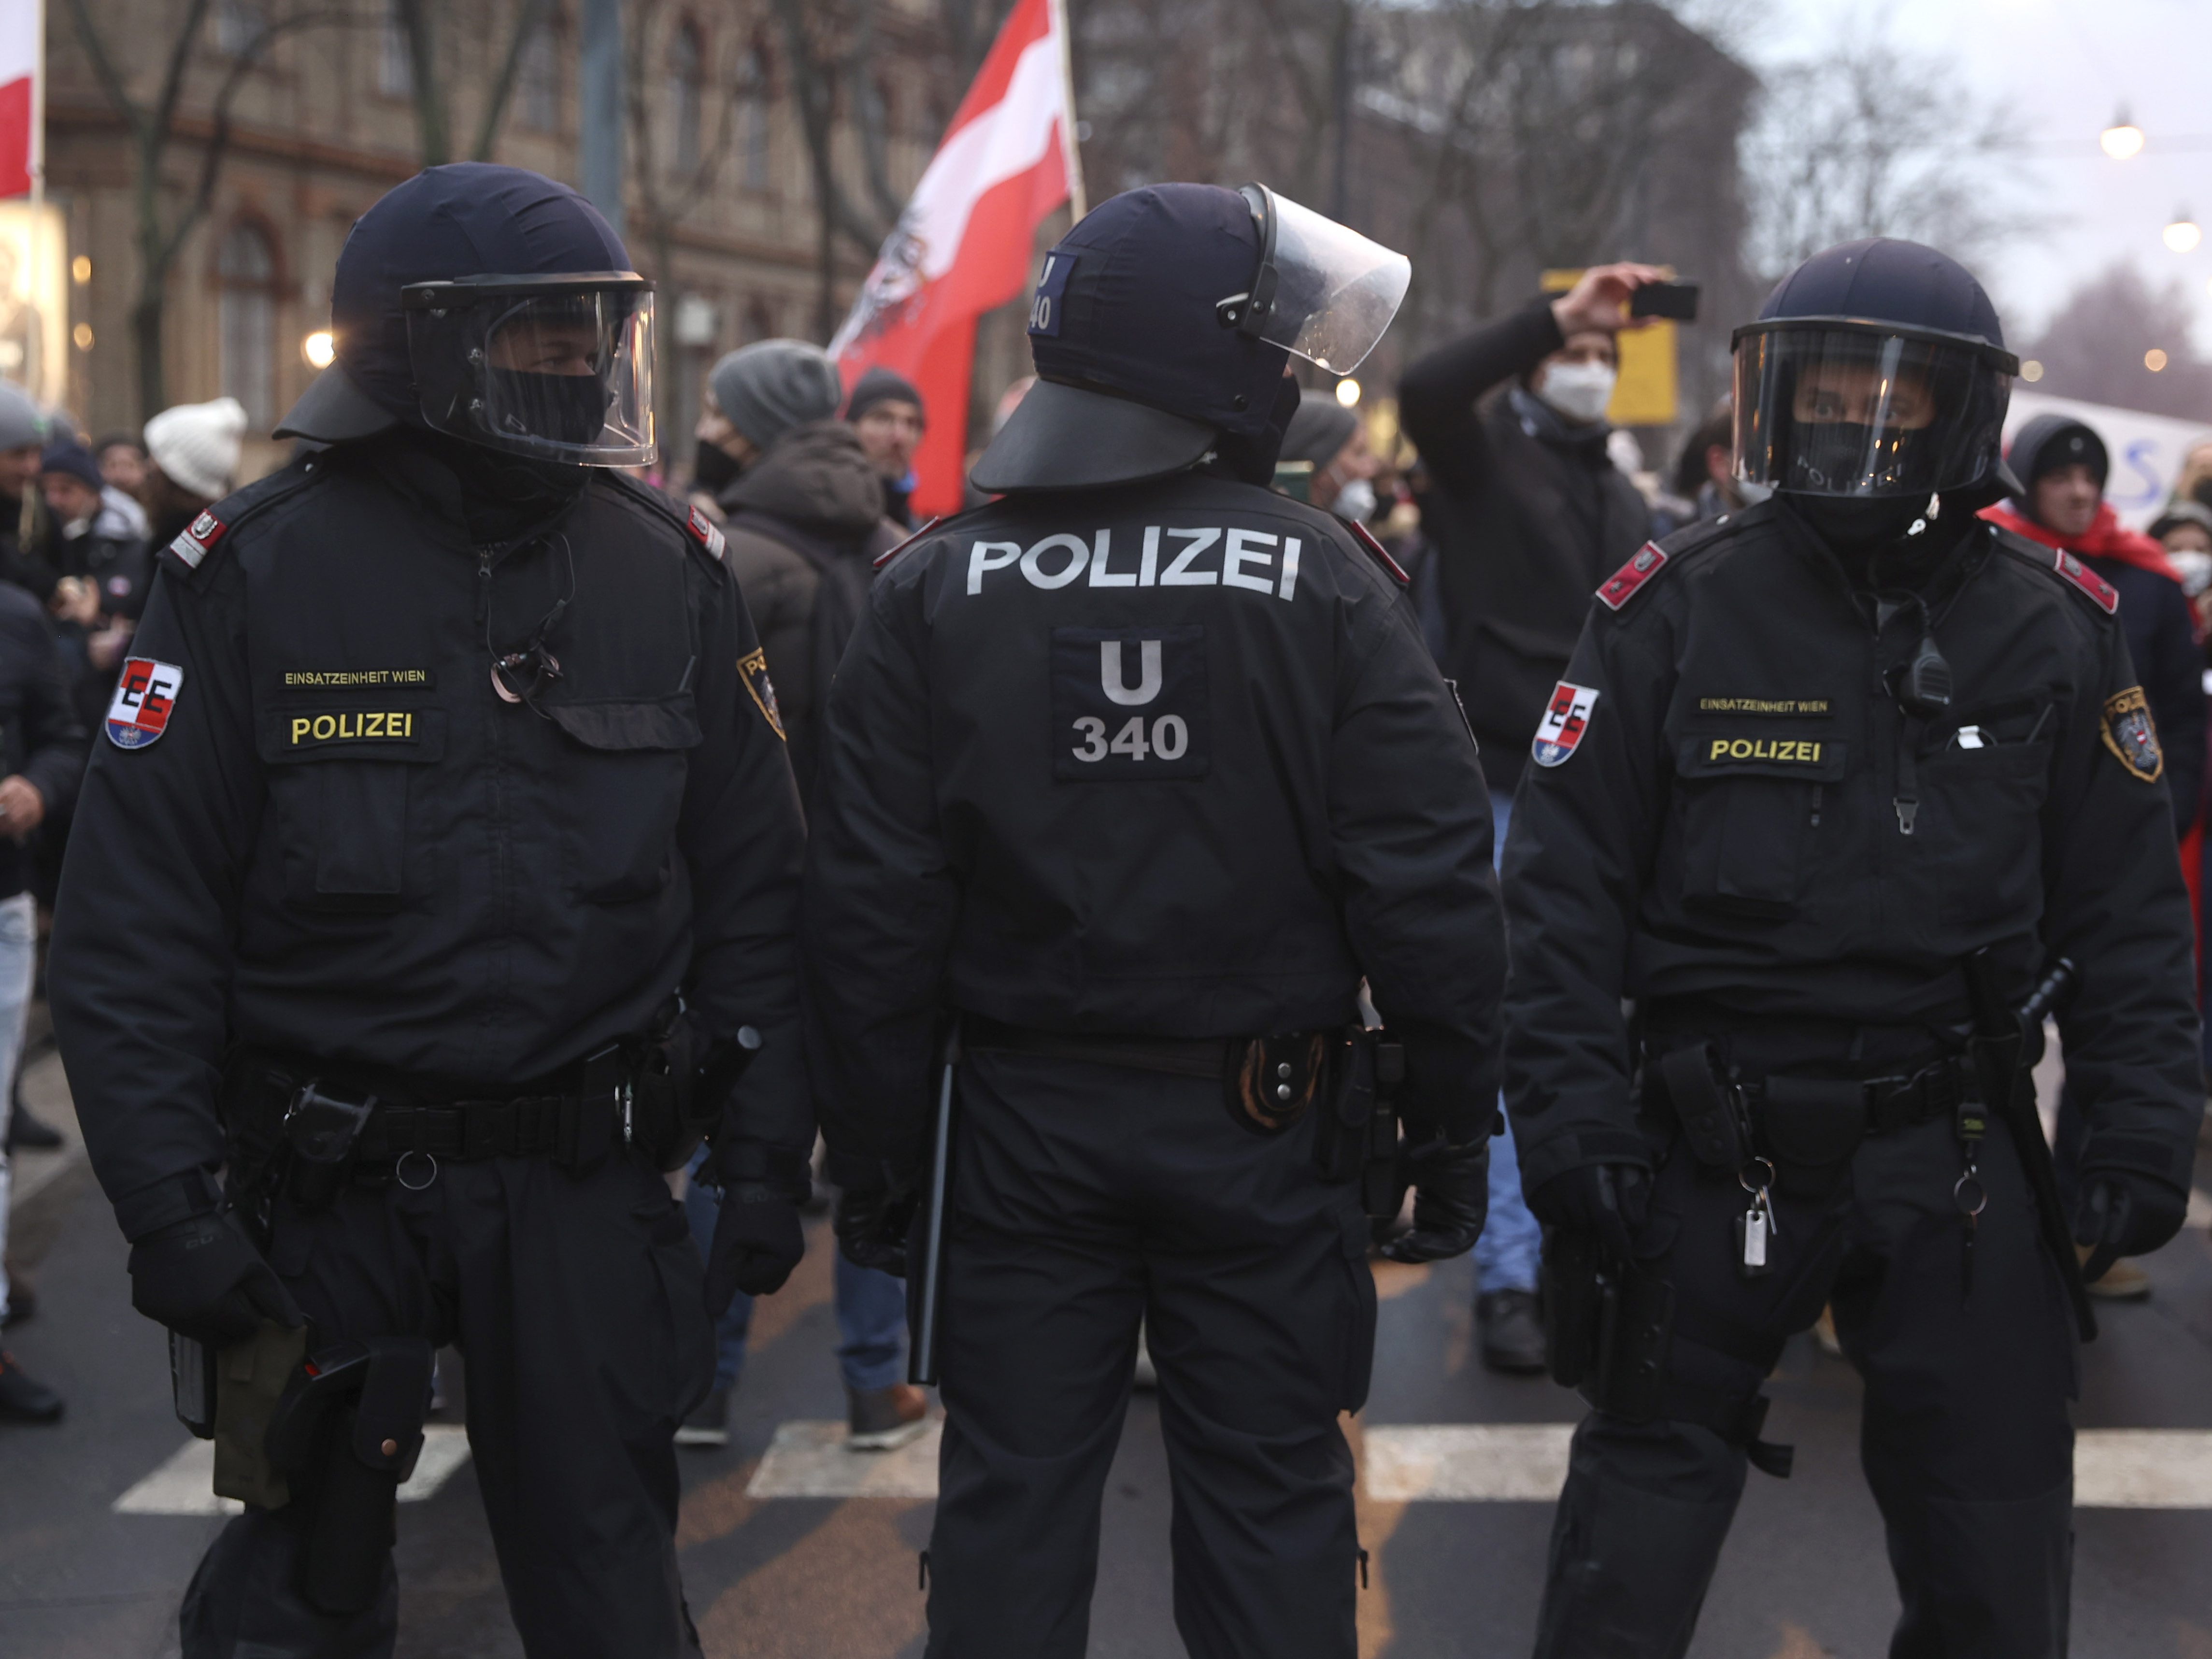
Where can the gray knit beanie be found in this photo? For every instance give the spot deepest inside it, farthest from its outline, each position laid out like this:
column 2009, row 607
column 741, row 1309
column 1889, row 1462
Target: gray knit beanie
column 771, row 385
column 21, row 424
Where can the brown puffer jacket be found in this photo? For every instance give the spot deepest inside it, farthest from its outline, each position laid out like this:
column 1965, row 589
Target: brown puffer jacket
column 806, row 522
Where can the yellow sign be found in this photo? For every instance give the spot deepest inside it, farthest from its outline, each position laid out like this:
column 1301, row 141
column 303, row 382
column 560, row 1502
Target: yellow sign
column 34, row 299
column 1646, row 393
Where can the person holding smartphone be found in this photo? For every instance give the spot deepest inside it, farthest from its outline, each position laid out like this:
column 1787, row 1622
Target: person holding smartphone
column 1524, row 515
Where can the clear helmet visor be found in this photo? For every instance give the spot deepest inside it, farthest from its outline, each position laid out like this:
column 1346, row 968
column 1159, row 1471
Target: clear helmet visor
column 556, row 369
column 1834, row 409
column 1325, row 293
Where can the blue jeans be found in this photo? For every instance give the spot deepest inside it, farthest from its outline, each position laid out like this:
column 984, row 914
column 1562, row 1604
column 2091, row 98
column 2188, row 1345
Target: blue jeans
column 1505, row 1256
column 701, row 1205
column 871, row 1309
column 870, row 1327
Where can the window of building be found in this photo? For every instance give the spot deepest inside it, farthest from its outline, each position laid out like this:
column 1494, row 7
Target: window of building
column 537, row 82
column 240, row 25
column 752, row 120
column 245, row 273
column 395, row 64
column 687, row 95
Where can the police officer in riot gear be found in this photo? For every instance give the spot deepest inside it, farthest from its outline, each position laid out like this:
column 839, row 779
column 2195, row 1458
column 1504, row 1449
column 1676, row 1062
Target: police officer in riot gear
column 1835, row 785
column 1130, row 777
column 434, row 882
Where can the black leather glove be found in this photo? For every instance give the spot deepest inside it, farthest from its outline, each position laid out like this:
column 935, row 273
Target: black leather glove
column 1611, row 1200
column 757, row 1242
column 872, row 1223
column 204, row 1279
column 1451, row 1198
column 2124, row 1213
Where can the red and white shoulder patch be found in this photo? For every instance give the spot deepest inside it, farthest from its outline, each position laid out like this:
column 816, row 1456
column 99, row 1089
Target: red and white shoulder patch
column 1380, row 554
column 2071, row 569
column 1567, row 717
column 145, row 692
column 883, row 559
column 197, row 540
column 1621, row 586
column 706, row 532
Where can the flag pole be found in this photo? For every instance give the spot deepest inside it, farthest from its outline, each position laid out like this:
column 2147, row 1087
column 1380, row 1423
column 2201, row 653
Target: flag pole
column 1071, row 157
column 38, row 206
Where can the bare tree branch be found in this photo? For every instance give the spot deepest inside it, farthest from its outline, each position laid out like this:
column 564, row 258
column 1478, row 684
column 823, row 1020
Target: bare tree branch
column 415, row 21
column 104, row 70
column 531, row 17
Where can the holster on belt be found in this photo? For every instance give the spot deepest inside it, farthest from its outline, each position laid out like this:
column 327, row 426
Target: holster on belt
column 1610, row 1327
column 1359, row 1133
column 1806, row 1128
column 345, row 1435
column 1710, row 1113
column 251, row 1377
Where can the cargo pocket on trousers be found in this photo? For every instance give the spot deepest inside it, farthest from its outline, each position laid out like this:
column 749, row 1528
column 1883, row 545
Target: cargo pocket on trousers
column 1359, row 1319
column 628, row 788
column 676, row 1262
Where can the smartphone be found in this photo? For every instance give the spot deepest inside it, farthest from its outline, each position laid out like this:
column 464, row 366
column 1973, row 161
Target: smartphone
column 192, row 1376
column 1677, row 300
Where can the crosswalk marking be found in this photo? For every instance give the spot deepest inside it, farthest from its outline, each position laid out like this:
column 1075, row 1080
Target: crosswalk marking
column 1465, row 1463
column 2142, row 1470
column 809, row 1459
column 1527, row 1462
column 185, row 1484
column 1399, row 1463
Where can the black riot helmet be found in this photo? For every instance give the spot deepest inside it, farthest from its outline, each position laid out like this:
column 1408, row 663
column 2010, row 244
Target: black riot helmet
column 1876, row 369
column 1161, row 326
column 494, row 304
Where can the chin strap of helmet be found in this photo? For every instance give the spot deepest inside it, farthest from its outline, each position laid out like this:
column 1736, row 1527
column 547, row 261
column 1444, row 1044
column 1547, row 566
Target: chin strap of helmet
column 1252, row 459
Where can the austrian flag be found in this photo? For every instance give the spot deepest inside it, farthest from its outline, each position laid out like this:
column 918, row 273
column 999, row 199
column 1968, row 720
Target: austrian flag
column 19, row 29
column 962, row 245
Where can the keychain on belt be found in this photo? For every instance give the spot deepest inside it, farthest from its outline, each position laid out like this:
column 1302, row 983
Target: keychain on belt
column 1967, row 1192
column 1755, row 1227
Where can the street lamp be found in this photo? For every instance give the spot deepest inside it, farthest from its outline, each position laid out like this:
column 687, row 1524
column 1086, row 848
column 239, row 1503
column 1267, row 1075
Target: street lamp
column 1348, row 392
column 2124, row 139
column 319, row 348
column 2184, row 234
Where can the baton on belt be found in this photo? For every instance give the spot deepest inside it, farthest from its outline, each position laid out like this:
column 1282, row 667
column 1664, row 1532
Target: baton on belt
column 929, row 1284
column 2007, row 1042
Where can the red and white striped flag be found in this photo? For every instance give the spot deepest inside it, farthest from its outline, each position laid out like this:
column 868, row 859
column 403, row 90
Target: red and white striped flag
column 20, row 70
column 962, row 247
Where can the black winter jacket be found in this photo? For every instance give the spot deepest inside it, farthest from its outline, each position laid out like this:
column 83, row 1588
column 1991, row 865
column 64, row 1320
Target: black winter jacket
column 1167, row 760
column 1525, row 521
column 805, row 526
column 1737, row 823
column 321, row 830
column 42, row 735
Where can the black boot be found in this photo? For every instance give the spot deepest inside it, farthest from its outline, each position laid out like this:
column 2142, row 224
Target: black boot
column 1512, row 1339
column 22, row 1399
column 26, row 1134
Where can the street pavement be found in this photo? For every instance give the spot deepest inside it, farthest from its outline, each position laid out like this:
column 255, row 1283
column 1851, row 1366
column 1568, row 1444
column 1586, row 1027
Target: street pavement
column 835, row 1577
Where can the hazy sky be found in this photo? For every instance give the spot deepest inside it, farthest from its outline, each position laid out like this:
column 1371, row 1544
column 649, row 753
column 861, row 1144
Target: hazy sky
column 2061, row 66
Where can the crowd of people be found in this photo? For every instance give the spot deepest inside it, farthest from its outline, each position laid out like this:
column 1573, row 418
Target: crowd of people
column 1507, row 496
column 79, row 521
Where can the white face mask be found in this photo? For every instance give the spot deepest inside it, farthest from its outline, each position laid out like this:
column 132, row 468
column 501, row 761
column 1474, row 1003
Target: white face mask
column 1579, row 391
column 1355, row 503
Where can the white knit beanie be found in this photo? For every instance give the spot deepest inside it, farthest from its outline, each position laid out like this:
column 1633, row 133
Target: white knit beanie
column 198, row 445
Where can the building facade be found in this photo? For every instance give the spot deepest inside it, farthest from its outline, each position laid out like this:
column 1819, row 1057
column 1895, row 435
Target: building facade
column 291, row 117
